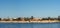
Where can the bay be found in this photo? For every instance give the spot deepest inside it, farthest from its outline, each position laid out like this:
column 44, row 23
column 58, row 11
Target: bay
column 29, row 25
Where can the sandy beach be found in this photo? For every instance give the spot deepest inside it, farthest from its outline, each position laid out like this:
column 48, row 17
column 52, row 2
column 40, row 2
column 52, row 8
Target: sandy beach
column 45, row 21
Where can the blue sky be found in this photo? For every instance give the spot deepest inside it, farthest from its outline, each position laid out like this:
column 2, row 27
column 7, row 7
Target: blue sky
column 27, row 8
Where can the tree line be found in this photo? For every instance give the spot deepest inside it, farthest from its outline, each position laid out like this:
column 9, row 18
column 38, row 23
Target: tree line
column 28, row 19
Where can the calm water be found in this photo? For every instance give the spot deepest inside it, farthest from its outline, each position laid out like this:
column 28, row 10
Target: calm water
column 30, row 25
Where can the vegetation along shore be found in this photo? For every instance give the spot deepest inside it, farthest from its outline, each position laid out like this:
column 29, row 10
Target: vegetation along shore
column 29, row 20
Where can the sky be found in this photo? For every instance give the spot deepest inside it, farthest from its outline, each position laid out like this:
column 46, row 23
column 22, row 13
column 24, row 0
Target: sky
column 27, row 8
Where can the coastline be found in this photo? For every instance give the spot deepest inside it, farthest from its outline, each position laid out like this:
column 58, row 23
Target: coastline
column 28, row 21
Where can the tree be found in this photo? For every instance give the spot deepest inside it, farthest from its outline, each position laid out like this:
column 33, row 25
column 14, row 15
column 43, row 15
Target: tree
column 13, row 19
column 6, row 19
column 0, row 18
column 49, row 18
column 19, row 19
column 26, row 19
column 32, row 17
column 44, row 18
column 59, row 18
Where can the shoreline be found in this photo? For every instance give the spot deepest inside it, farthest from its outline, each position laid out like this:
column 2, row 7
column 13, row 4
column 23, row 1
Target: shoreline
column 28, row 21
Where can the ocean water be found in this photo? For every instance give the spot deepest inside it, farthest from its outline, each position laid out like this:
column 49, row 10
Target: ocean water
column 29, row 25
